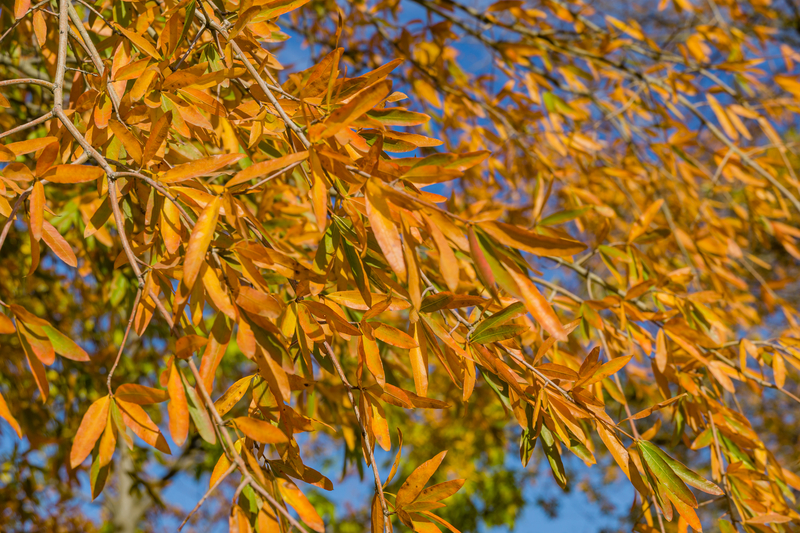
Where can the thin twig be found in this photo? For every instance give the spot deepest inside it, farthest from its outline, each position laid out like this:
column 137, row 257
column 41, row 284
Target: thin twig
column 387, row 526
column 124, row 340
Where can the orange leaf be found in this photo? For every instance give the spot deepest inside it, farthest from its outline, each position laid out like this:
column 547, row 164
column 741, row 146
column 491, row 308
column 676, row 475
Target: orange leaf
column 414, row 484
column 171, row 226
column 354, row 300
column 266, row 167
column 258, row 303
column 132, row 145
column 217, row 294
column 448, row 264
column 178, row 407
column 199, row 241
column 21, row 8
column 140, row 394
column 393, row 336
column 92, row 426
column 538, row 306
column 300, row 503
column 37, row 209
column 260, row 430
column 6, row 325
column 58, row 244
column 140, row 423
column 36, row 366
column 232, row 396
column 372, row 356
column 358, row 105
column 158, row 134
column 223, row 464
column 201, row 167
column 31, row 145
column 73, row 174
column 141, row 42
column 108, row 443
column 531, row 242
column 6, row 414
column 39, row 27
column 386, row 232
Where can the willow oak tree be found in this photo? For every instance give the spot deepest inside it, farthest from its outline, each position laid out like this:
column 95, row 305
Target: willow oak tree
column 189, row 224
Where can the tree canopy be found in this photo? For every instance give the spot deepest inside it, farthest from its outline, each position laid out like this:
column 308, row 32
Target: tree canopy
column 240, row 238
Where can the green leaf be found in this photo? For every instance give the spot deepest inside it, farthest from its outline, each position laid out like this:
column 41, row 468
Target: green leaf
column 563, row 216
column 65, row 346
column 97, row 477
column 499, row 386
column 198, row 413
column 527, row 443
column 500, row 333
column 689, row 477
column 551, row 451
column 663, row 474
column 501, row 317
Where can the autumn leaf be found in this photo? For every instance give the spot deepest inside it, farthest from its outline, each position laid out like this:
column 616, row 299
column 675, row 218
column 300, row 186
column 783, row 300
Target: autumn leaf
column 178, row 408
column 73, row 174
column 538, row 306
column 5, row 413
column 29, row 146
column 92, row 426
column 300, row 503
column 37, row 209
column 415, row 483
column 201, row 167
column 199, row 241
column 386, row 232
column 260, row 430
column 140, row 394
column 265, row 168
column 58, row 244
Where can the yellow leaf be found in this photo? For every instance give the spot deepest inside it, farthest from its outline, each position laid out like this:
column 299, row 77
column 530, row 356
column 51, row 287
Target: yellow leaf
column 722, row 117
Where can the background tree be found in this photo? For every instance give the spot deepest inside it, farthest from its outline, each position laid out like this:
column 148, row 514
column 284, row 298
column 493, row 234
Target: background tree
column 454, row 227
